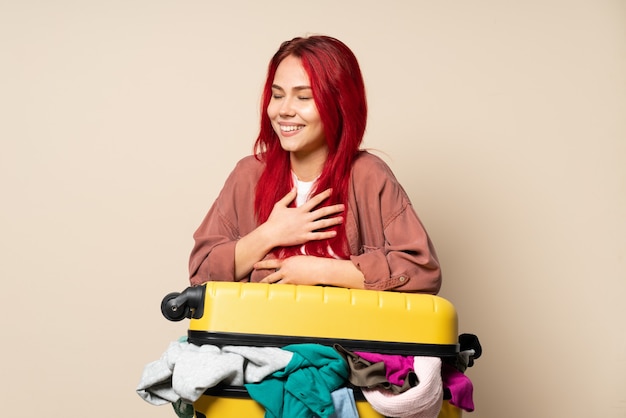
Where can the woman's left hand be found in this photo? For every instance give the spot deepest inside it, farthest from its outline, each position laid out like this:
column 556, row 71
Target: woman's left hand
column 311, row 270
column 299, row 269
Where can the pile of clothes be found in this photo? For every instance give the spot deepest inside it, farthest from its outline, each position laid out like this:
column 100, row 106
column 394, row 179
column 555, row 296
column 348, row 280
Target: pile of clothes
column 302, row 380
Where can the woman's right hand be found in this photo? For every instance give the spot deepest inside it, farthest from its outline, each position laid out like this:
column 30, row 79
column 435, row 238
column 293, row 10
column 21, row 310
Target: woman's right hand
column 288, row 226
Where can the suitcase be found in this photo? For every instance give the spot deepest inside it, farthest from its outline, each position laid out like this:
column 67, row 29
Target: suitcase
column 276, row 315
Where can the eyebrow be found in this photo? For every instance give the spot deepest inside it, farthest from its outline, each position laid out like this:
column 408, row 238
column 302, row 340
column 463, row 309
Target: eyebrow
column 298, row 88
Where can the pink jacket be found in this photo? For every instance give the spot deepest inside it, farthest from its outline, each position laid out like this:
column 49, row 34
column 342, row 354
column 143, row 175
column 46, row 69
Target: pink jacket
column 387, row 241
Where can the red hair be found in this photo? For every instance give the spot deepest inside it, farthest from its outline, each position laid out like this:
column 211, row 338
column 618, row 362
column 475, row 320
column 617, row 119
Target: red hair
column 339, row 94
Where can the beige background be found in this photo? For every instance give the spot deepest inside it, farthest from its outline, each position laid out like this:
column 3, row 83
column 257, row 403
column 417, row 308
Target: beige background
column 119, row 121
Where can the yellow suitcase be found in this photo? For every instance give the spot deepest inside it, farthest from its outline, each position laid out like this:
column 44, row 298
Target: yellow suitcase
column 255, row 314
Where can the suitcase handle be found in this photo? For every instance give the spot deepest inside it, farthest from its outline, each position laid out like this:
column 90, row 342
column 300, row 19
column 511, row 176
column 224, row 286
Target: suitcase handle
column 188, row 304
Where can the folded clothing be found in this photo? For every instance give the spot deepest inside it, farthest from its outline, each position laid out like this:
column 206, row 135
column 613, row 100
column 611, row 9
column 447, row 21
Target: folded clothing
column 421, row 401
column 185, row 371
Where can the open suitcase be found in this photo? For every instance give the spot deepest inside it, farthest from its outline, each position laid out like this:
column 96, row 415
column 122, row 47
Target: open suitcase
column 254, row 314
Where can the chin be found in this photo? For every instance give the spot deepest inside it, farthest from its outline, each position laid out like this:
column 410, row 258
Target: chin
column 288, row 145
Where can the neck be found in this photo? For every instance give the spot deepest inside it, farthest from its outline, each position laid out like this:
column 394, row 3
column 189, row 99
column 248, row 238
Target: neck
column 309, row 167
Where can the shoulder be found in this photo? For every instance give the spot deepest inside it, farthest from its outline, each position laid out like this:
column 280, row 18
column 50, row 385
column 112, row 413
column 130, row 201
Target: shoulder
column 248, row 165
column 242, row 179
column 373, row 178
column 248, row 169
column 371, row 167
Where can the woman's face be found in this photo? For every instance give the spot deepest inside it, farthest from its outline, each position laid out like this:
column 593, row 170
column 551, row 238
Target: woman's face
column 293, row 112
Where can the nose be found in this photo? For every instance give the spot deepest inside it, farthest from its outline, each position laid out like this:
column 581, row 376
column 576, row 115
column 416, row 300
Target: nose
column 286, row 109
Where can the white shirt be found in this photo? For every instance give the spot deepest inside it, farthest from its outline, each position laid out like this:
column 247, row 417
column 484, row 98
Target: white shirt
column 304, row 190
column 304, row 194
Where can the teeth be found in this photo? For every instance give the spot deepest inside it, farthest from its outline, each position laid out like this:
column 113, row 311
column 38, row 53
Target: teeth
column 290, row 128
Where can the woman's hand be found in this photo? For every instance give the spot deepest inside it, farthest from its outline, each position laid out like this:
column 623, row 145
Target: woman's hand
column 311, row 270
column 299, row 269
column 288, row 226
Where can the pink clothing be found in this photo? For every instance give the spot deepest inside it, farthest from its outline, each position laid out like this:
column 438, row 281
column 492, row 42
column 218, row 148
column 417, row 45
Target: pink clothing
column 386, row 239
column 396, row 367
column 460, row 387
column 421, row 401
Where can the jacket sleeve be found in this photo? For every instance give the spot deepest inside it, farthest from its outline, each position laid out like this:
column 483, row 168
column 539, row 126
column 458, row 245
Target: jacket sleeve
column 395, row 251
column 229, row 218
column 407, row 262
column 213, row 254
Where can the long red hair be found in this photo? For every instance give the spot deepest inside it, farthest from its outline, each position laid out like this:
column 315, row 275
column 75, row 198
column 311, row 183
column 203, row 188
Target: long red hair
column 339, row 93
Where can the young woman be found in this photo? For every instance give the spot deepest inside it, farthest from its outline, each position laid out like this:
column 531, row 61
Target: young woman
column 310, row 207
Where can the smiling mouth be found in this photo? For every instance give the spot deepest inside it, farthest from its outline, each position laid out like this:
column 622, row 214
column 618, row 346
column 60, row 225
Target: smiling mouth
column 290, row 128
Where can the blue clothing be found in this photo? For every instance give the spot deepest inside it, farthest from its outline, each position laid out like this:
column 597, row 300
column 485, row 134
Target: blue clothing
column 303, row 388
column 345, row 406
